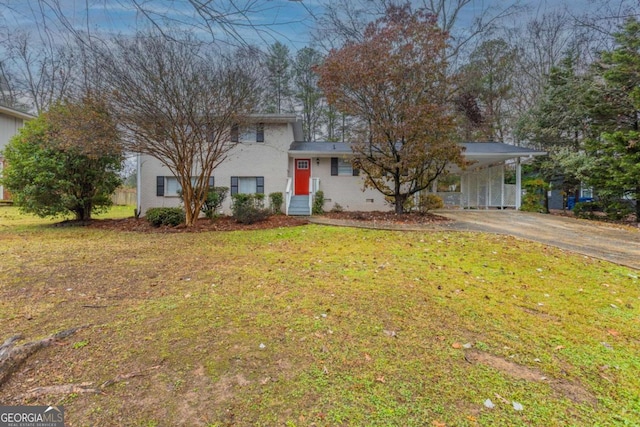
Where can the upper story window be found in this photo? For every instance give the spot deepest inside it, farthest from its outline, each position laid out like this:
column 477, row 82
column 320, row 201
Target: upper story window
column 251, row 133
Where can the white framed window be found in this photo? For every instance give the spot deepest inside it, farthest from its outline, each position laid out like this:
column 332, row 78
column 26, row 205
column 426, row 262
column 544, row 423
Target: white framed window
column 247, row 184
column 586, row 192
column 252, row 133
column 302, row 164
column 172, row 186
column 169, row 186
column 342, row 167
column 345, row 167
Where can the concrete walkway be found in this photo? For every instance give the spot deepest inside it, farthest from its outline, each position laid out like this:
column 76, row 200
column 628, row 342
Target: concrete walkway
column 617, row 244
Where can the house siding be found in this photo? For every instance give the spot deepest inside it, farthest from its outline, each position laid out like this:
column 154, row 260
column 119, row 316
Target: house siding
column 266, row 159
column 9, row 126
column 345, row 190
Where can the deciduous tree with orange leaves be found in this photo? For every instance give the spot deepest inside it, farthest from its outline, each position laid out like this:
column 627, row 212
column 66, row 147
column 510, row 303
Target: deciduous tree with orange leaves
column 395, row 83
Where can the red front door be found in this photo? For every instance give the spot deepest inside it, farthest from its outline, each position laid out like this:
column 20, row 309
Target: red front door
column 302, row 175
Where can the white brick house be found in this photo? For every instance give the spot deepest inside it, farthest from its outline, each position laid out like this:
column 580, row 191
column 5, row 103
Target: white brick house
column 270, row 157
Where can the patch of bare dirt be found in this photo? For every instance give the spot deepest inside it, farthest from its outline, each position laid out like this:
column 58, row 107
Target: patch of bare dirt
column 226, row 223
column 571, row 390
column 388, row 217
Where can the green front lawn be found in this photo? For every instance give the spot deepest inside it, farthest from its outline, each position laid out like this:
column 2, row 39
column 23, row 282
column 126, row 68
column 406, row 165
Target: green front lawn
column 320, row 326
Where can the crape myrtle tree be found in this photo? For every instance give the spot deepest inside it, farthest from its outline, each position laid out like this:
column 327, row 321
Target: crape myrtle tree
column 394, row 81
column 177, row 102
column 65, row 161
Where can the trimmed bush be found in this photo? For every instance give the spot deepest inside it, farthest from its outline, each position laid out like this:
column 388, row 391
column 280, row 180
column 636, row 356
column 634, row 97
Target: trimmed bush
column 275, row 202
column 215, row 198
column 249, row 208
column 429, row 201
column 165, row 216
column 318, row 203
column 535, row 196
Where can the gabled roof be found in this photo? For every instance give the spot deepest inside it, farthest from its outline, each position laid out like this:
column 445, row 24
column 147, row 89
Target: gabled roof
column 15, row 113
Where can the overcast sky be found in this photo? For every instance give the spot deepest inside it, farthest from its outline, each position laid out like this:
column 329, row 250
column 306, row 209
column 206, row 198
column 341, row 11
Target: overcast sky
column 285, row 20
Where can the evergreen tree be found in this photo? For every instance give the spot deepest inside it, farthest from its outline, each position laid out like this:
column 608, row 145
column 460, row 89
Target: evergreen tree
column 615, row 171
column 307, row 92
column 279, row 78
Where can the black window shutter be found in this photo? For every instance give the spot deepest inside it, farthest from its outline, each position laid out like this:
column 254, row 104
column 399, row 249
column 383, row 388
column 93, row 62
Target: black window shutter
column 234, row 185
column 356, row 172
column 211, row 182
column 234, row 133
column 334, row 166
column 260, row 132
column 260, row 184
column 160, row 186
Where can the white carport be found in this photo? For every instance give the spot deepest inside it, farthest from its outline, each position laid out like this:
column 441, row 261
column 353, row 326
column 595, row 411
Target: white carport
column 482, row 183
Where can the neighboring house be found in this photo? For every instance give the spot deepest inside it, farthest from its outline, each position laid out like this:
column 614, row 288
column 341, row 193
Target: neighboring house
column 10, row 121
column 270, row 157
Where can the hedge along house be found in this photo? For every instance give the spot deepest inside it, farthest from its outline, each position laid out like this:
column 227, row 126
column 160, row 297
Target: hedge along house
column 11, row 120
column 270, row 157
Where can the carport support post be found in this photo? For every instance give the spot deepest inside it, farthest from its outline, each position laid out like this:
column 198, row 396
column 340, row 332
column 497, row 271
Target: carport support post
column 518, row 184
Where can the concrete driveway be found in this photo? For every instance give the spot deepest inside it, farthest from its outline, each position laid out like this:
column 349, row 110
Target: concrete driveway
column 617, row 244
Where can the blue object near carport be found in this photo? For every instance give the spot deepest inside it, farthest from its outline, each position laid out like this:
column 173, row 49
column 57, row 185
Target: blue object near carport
column 572, row 201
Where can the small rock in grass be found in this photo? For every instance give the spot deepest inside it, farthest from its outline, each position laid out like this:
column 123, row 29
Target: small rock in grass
column 517, row 406
column 262, row 346
column 489, row 404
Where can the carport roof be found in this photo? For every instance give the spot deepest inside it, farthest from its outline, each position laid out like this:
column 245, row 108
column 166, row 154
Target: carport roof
column 484, row 151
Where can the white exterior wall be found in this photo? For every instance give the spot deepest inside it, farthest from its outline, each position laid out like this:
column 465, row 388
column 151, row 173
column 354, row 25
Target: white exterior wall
column 8, row 128
column 347, row 191
column 267, row 159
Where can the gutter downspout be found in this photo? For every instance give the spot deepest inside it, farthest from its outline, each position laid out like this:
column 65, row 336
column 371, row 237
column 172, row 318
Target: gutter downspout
column 138, row 210
column 518, row 184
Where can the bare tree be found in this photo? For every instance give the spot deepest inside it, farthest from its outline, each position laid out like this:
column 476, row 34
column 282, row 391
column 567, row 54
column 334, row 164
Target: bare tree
column 346, row 20
column 236, row 23
column 178, row 103
column 42, row 72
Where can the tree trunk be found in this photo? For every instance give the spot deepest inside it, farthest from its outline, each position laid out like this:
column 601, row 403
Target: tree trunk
column 83, row 212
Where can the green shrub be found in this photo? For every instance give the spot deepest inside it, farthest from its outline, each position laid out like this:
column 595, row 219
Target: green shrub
column 617, row 209
column 215, row 198
column 586, row 209
column 165, row 216
column 337, row 207
column 249, row 208
column 318, row 203
column 534, row 198
column 429, row 201
column 275, row 202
